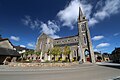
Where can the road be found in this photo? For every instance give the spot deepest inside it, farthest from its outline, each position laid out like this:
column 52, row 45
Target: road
column 80, row 72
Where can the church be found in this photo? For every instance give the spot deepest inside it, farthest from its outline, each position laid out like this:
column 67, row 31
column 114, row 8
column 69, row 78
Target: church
column 80, row 44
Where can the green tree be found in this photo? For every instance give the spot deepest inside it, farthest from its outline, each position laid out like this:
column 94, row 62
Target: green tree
column 67, row 52
column 55, row 51
column 48, row 52
column 29, row 52
column 37, row 53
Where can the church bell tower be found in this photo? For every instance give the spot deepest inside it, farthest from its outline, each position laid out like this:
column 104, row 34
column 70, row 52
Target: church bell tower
column 85, row 45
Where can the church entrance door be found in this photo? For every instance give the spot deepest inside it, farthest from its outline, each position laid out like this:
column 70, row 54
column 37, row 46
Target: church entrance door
column 87, row 55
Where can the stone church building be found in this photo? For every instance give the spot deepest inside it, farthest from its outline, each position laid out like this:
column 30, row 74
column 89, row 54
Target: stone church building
column 80, row 44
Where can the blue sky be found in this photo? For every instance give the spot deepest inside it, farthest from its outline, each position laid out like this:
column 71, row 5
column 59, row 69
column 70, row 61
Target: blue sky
column 22, row 21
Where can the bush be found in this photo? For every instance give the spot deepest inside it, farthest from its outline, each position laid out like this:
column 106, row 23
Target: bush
column 47, row 61
column 26, row 61
column 60, row 59
column 73, row 60
column 57, row 60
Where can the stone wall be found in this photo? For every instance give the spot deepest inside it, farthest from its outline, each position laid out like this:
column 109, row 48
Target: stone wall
column 42, row 64
column 44, row 42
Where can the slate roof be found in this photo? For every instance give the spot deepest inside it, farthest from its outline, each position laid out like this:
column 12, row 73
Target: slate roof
column 19, row 48
column 117, row 50
column 66, row 37
column 1, row 39
column 8, row 52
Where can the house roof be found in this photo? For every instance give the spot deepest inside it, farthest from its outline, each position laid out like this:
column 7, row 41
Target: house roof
column 45, row 35
column 8, row 52
column 97, row 53
column 117, row 50
column 66, row 37
column 19, row 48
column 1, row 39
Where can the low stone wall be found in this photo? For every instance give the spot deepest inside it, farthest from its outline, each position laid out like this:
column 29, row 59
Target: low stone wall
column 42, row 64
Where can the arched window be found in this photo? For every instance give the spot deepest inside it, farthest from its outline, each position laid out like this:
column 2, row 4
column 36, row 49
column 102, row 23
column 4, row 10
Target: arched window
column 83, row 26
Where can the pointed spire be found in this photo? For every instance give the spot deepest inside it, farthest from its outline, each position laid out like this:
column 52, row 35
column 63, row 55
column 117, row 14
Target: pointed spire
column 80, row 14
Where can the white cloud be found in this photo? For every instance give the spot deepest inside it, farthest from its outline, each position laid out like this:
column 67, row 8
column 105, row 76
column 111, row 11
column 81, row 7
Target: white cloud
column 54, row 36
column 92, row 22
column 31, row 44
column 69, row 15
column 116, row 34
column 102, row 45
column 101, row 15
column 49, row 28
column 29, row 22
column 22, row 46
column 15, row 38
column 99, row 4
column 97, row 37
column 111, row 7
column 96, row 50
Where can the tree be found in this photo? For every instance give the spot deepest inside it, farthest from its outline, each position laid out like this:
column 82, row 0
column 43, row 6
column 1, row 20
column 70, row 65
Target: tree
column 48, row 52
column 55, row 51
column 37, row 53
column 67, row 52
column 29, row 52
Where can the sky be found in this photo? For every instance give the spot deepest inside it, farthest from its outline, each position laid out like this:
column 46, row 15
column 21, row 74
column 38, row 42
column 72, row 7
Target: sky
column 22, row 21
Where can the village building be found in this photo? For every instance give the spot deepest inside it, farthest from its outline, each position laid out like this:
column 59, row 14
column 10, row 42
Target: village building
column 98, row 57
column 80, row 44
column 106, row 57
column 115, row 55
column 102, row 57
column 7, row 51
